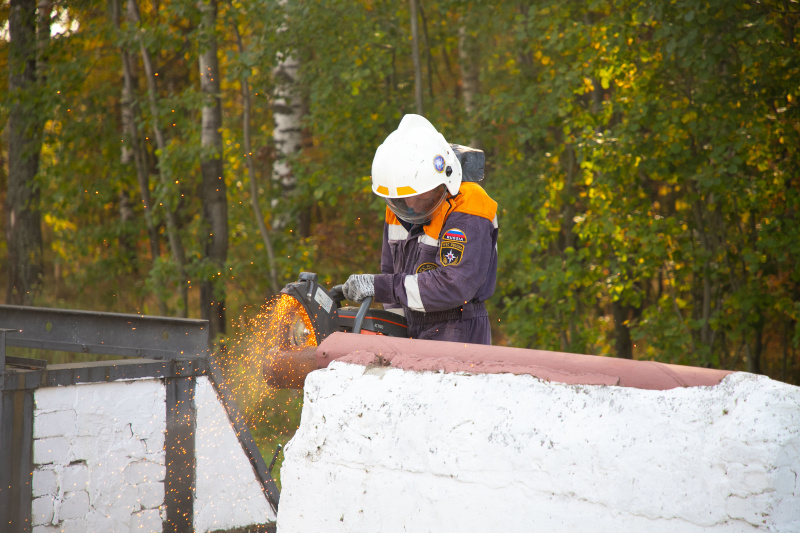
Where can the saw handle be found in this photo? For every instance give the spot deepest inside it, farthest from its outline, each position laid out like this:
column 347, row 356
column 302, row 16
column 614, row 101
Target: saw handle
column 362, row 311
column 337, row 293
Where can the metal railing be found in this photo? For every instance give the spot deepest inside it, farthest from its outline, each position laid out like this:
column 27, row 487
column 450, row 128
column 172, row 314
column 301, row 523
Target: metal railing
column 175, row 349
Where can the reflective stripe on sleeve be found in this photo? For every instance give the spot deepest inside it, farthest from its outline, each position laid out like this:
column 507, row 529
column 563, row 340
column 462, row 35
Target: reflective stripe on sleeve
column 496, row 226
column 412, row 293
column 397, row 232
column 430, row 241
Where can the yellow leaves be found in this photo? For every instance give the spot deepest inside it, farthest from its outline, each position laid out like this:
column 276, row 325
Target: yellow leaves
column 545, row 60
column 789, row 98
column 588, row 86
column 637, row 161
column 680, row 205
column 606, row 75
column 691, row 116
column 59, row 224
column 597, row 193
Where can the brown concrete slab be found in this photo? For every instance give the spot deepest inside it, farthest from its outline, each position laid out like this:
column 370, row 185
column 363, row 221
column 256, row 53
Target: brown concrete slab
column 421, row 355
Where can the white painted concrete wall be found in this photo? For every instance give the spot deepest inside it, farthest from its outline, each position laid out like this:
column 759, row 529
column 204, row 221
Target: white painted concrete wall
column 98, row 456
column 382, row 449
column 228, row 495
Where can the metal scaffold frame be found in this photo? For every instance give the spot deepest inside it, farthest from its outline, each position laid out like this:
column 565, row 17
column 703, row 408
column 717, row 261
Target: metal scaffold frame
column 173, row 349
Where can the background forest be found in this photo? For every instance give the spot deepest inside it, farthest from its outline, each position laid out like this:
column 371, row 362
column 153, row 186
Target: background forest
column 189, row 158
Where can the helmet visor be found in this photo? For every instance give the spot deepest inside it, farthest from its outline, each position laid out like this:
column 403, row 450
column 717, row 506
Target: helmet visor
column 420, row 208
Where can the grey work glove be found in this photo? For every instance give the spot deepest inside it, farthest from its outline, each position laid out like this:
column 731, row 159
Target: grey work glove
column 359, row 286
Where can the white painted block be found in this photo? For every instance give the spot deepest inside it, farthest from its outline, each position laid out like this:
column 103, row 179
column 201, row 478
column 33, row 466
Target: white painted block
column 78, row 525
column 55, row 399
column 147, row 521
column 110, row 492
column 144, row 472
column 228, row 494
column 150, row 495
column 74, row 505
column 381, row 449
column 75, row 477
column 46, row 529
column 44, row 481
column 92, row 424
column 42, row 511
column 118, row 507
column 54, row 424
column 96, row 521
column 55, row 450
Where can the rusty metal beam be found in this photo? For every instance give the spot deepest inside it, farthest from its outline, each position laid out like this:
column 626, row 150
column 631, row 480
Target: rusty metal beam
column 118, row 334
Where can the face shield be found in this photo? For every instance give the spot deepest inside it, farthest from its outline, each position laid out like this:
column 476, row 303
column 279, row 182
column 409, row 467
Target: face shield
column 419, row 208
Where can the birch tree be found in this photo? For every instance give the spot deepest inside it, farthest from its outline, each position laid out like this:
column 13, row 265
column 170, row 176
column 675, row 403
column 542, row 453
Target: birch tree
column 287, row 112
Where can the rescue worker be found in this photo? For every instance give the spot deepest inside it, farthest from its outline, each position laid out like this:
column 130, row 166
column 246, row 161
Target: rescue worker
column 439, row 257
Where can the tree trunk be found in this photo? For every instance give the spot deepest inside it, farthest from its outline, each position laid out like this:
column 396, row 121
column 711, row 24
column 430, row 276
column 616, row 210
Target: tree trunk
column 175, row 243
column 133, row 149
column 622, row 334
column 754, row 355
column 214, row 194
column 287, row 112
column 251, row 170
column 470, row 84
column 415, row 56
column 25, row 126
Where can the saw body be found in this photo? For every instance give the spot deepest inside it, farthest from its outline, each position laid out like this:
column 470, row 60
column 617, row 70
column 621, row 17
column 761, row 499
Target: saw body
column 308, row 315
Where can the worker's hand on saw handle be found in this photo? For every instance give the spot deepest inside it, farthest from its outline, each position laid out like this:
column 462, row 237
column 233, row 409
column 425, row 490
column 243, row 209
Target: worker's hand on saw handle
column 359, row 286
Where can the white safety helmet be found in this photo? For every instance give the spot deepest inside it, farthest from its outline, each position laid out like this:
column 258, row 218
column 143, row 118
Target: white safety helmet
column 413, row 160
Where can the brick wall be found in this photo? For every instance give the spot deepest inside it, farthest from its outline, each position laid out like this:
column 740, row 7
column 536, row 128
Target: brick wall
column 99, row 461
column 98, row 456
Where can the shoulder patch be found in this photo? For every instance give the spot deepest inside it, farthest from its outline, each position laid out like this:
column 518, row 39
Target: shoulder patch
column 424, row 267
column 451, row 252
column 455, row 234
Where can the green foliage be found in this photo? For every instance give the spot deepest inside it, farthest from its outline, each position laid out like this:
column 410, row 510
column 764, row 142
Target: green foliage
column 644, row 156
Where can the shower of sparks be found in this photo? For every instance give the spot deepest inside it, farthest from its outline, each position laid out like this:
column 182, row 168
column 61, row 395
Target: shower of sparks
column 272, row 415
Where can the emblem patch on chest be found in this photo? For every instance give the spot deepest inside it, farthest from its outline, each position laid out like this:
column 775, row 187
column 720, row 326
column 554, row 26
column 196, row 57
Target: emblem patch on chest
column 424, row 267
